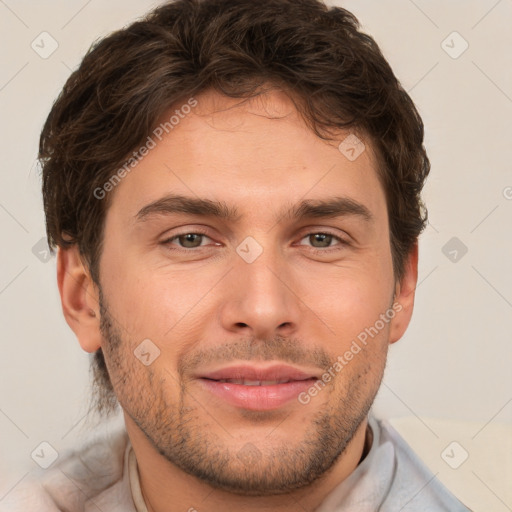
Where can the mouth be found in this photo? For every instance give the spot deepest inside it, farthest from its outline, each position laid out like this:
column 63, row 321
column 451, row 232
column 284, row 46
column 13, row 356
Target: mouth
column 247, row 382
column 258, row 388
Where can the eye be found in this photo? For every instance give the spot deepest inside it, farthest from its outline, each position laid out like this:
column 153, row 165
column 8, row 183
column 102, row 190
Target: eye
column 319, row 241
column 323, row 240
column 190, row 240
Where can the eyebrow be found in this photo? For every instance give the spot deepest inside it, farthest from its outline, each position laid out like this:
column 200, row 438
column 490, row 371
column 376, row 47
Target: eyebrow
column 309, row 208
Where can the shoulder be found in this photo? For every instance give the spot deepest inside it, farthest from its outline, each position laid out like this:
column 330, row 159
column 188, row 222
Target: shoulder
column 78, row 476
column 414, row 486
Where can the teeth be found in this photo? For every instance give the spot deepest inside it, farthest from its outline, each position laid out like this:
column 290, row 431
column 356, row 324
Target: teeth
column 247, row 382
column 250, row 382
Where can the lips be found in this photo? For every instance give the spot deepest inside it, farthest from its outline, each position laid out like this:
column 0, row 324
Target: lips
column 247, row 382
column 275, row 372
column 257, row 388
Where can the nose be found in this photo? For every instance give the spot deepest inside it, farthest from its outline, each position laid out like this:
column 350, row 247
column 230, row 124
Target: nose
column 262, row 298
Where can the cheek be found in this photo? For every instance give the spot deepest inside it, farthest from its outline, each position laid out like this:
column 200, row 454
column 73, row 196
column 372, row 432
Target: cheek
column 141, row 296
column 162, row 305
column 349, row 300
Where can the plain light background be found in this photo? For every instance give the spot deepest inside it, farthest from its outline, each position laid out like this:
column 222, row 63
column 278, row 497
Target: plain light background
column 449, row 378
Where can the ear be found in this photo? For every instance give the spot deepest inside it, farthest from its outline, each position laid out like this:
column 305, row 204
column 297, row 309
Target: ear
column 403, row 303
column 79, row 298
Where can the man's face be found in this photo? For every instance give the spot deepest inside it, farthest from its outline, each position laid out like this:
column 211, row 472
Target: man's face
column 261, row 297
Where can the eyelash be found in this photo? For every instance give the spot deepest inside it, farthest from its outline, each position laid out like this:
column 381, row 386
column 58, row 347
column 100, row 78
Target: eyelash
column 198, row 231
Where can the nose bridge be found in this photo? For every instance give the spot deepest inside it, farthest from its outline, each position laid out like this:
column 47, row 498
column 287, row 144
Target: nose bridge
column 261, row 298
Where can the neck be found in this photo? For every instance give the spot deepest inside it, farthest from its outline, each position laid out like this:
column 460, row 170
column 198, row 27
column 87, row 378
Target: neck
column 163, row 483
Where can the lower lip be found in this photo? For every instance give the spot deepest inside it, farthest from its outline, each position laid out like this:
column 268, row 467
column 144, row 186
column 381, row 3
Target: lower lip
column 257, row 398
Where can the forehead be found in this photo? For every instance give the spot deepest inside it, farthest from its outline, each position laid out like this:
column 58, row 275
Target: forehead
column 252, row 154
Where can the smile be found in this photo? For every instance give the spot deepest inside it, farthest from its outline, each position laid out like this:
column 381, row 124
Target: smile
column 257, row 388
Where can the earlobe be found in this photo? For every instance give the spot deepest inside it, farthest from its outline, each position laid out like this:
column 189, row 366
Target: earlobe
column 79, row 298
column 404, row 296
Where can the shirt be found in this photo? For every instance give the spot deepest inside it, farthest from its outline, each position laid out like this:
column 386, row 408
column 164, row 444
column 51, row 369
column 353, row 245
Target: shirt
column 104, row 476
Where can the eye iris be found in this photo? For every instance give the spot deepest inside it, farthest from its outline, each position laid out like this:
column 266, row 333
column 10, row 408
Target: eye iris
column 323, row 238
column 190, row 239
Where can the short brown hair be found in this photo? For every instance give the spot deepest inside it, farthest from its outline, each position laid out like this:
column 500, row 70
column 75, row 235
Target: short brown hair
column 335, row 74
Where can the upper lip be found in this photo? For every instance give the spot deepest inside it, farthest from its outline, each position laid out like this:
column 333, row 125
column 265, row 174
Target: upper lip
column 275, row 372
